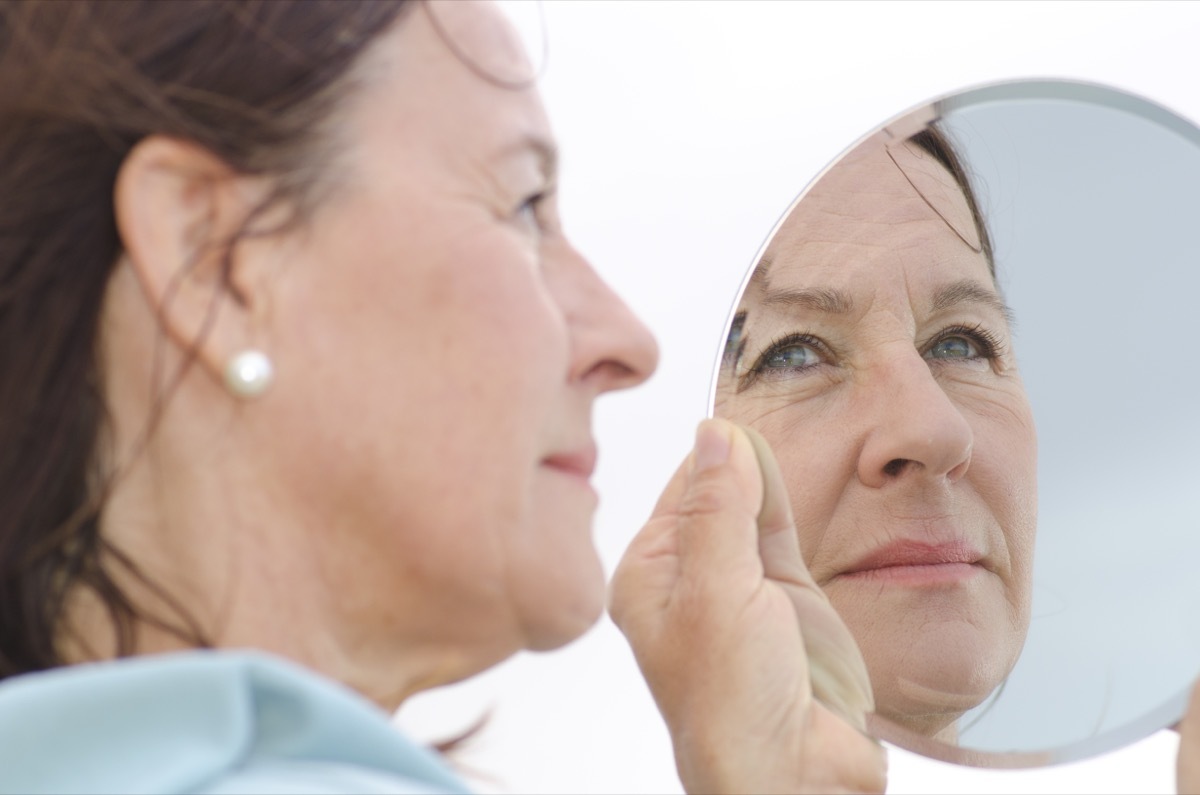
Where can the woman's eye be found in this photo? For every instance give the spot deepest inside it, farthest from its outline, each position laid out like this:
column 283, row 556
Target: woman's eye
column 954, row 348
column 529, row 212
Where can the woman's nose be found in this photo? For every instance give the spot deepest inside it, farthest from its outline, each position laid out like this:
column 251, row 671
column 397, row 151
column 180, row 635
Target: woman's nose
column 916, row 430
column 610, row 346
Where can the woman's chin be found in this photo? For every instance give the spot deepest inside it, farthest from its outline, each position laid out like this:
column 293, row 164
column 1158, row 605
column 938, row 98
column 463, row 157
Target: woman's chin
column 564, row 630
column 561, row 614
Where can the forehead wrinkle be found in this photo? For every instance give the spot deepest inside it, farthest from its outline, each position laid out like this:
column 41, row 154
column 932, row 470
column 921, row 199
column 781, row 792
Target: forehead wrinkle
column 827, row 300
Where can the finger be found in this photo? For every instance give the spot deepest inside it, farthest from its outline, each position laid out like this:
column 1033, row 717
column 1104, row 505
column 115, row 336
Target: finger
column 836, row 667
column 717, row 518
column 779, row 543
column 1187, row 765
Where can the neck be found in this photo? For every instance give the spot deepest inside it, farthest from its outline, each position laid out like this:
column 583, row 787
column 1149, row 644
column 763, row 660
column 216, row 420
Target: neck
column 254, row 551
column 217, row 562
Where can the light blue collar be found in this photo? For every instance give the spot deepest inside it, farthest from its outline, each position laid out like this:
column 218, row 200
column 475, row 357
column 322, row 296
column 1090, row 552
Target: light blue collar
column 184, row 722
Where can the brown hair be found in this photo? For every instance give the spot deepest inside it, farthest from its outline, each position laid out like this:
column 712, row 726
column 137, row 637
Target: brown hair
column 935, row 142
column 81, row 83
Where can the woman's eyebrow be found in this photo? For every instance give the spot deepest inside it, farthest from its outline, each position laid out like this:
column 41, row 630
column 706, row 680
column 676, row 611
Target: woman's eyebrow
column 969, row 292
column 541, row 148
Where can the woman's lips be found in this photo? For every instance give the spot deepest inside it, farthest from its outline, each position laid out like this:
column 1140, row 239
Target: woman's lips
column 579, row 463
column 916, row 563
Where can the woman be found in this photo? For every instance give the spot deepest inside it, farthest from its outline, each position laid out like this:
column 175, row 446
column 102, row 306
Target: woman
column 297, row 360
column 874, row 353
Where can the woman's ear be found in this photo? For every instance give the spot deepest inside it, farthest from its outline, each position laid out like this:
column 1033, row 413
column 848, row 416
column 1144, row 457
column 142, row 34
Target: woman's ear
column 178, row 209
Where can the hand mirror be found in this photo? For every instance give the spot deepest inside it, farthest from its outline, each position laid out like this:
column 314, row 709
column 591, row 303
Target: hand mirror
column 964, row 342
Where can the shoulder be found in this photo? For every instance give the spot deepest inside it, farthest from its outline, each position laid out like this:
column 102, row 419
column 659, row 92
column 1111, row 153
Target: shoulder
column 306, row 777
column 203, row 722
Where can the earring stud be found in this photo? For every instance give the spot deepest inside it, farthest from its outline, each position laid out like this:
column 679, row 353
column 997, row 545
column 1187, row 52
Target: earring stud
column 249, row 373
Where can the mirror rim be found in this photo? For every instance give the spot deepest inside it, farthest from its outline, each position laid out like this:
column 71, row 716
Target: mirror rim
column 901, row 126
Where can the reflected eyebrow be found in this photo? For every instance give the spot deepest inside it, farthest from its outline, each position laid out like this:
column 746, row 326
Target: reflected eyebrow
column 834, row 302
column 817, row 299
column 969, row 292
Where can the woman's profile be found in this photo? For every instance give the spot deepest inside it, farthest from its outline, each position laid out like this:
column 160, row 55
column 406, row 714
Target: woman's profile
column 298, row 369
column 297, row 375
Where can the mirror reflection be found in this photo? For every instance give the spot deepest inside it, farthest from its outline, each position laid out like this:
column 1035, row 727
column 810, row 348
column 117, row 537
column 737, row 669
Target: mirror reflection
column 1012, row 252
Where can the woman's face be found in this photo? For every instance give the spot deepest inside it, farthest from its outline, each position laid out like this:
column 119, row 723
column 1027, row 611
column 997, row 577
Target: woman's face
column 876, row 357
column 438, row 346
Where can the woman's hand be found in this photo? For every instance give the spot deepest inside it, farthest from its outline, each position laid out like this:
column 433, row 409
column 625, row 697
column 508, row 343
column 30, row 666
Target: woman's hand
column 1187, row 765
column 759, row 681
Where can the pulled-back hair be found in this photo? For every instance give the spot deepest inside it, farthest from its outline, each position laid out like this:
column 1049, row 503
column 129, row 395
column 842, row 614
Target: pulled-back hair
column 936, row 143
column 252, row 81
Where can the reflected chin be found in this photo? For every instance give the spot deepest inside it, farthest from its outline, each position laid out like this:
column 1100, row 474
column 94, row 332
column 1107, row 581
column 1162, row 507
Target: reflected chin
column 933, row 651
column 938, row 677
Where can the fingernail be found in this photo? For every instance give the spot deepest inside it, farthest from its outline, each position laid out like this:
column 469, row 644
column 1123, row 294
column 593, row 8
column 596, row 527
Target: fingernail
column 712, row 446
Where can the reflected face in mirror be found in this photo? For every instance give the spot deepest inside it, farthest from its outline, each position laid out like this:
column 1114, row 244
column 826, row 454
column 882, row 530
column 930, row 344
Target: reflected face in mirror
column 873, row 351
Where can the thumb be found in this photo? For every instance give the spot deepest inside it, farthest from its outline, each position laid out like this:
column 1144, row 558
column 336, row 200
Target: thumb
column 1187, row 765
column 837, row 670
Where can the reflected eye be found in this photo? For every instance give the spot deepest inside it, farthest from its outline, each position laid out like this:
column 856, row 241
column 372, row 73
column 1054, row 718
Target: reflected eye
column 788, row 357
column 734, row 345
column 954, row 348
column 964, row 344
column 792, row 357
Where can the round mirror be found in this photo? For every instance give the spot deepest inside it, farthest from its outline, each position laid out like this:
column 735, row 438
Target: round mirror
column 965, row 343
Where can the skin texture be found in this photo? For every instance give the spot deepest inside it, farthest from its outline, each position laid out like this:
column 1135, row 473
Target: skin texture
column 409, row 502
column 894, row 424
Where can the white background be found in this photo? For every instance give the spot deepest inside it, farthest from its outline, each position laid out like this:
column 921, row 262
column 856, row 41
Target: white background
column 687, row 129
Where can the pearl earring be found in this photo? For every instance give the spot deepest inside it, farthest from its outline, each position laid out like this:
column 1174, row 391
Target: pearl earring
column 249, row 373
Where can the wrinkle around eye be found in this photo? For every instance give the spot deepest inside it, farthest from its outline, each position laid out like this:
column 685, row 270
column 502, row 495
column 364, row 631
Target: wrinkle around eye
column 785, row 383
column 799, row 400
column 1002, row 366
column 995, row 400
column 762, row 414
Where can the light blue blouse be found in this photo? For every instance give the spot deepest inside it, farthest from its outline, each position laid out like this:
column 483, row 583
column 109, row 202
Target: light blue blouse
column 205, row 722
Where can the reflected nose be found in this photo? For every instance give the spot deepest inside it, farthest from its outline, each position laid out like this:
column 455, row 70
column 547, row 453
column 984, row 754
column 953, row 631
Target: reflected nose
column 918, row 431
column 610, row 346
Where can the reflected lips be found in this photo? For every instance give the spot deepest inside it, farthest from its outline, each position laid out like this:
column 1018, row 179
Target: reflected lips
column 915, row 563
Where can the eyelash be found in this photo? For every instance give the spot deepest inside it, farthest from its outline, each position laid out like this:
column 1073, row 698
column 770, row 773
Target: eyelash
column 533, row 206
column 759, row 369
column 990, row 346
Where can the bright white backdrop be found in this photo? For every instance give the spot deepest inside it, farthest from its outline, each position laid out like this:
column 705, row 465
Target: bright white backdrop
column 686, row 129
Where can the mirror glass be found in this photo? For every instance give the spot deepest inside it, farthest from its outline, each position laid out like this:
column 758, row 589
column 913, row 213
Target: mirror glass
column 968, row 342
